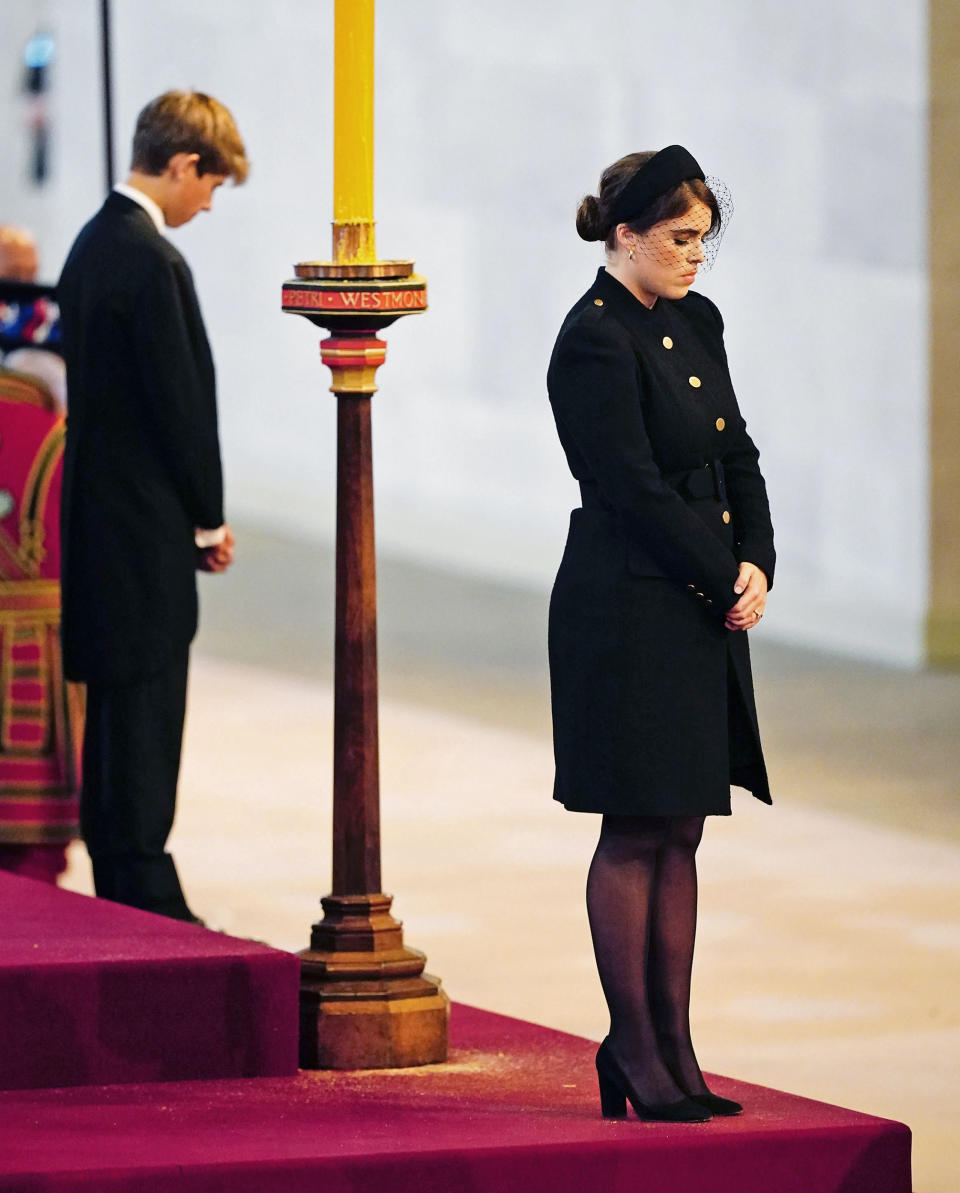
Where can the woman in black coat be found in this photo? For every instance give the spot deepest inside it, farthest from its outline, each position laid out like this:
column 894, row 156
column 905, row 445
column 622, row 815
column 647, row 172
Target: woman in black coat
column 667, row 564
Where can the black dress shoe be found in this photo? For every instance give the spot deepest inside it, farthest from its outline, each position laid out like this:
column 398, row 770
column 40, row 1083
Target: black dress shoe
column 616, row 1090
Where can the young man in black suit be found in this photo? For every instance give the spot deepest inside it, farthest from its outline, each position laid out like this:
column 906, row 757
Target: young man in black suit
column 142, row 490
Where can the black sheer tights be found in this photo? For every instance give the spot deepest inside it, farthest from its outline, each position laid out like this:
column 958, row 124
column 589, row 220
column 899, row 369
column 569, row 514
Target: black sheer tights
column 642, row 904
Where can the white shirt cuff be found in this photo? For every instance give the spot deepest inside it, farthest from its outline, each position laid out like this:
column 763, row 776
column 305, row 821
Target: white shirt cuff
column 210, row 538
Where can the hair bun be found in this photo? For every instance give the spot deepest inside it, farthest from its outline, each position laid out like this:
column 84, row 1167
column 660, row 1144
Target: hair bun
column 588, row 219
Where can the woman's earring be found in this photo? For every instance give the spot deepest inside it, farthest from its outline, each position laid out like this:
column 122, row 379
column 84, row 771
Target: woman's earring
column 630, row 254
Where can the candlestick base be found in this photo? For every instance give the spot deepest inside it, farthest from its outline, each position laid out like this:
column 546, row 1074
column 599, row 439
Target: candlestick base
column 365, row 1002
column 391, row 268
column 355, row 296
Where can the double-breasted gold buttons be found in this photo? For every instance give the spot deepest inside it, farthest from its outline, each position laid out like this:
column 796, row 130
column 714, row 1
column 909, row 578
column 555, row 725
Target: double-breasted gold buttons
column 695, row 382
column 726, row 516
column 720, row 424
column 598, row 302
column 667, row 342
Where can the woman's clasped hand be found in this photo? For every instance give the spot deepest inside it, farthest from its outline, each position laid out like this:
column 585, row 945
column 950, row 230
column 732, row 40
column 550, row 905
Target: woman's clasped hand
column 752, row 585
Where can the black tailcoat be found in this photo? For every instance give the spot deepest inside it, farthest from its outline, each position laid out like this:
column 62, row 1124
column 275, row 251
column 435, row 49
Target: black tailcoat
column 142, row 463
column 653, row 706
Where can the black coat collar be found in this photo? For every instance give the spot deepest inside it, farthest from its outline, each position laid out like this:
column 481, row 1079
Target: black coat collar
column 116, row 204
column 637, row 320
column 618, row 296
column 674, row 317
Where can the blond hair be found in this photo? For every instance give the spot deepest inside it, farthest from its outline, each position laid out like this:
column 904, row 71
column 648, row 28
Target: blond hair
column 189, row 122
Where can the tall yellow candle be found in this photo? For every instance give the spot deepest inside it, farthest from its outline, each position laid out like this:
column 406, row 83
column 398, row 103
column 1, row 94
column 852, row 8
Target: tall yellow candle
column 353, row 131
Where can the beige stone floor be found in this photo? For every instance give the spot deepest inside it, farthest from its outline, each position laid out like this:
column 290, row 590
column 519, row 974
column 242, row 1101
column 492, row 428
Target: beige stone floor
column 828, row 960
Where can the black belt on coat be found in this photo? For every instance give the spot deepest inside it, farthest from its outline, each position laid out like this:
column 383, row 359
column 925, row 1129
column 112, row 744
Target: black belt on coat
column 700, row 482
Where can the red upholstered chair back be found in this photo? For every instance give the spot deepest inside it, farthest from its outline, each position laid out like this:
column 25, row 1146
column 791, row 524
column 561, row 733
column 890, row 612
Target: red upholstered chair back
column 40, row 716
column 31, row 473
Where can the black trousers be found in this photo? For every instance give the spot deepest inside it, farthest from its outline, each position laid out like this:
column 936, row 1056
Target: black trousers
column 131, row 761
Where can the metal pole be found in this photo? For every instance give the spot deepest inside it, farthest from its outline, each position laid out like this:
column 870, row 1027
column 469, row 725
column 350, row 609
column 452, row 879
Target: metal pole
column 107, row 93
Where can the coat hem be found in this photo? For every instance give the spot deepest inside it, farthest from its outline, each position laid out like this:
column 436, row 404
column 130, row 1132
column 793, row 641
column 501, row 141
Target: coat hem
column 637, row 811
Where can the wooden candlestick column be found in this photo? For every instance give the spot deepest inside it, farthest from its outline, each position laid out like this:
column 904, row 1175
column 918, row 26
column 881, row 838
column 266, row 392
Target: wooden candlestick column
column 365, row 1002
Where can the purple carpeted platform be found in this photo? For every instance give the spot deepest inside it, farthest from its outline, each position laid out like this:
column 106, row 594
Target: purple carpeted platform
column 91, row 992
column 514, row 1111
column 94, row 993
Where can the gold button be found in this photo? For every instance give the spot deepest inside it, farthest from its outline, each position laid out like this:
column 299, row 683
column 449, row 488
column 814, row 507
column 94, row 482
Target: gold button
column 699, row 594
column 692, row 587
column 726, row 515
column 720, row 424
column 667, row 342
column 695, row 382
column 598, row 302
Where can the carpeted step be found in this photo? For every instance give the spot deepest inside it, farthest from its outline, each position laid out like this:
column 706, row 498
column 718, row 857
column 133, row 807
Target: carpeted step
column 515, row 1110
column 94, row 993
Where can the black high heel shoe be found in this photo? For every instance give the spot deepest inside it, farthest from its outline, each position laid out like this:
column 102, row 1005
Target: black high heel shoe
column 616, row 1090
column 726, row 1107
column 723, row 1107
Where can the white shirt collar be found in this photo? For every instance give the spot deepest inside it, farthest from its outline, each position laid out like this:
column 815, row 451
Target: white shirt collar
column 149, row 206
